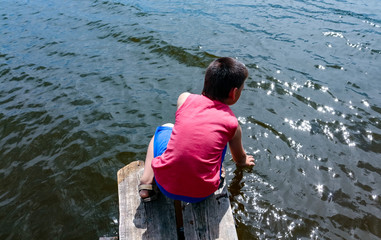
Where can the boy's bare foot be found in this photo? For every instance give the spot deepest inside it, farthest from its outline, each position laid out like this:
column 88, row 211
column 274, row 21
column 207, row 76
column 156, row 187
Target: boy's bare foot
column 143, row 193
column 223, row 174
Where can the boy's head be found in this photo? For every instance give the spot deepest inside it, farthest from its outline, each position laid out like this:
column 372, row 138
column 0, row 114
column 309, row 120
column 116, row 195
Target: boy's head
column 223, row 75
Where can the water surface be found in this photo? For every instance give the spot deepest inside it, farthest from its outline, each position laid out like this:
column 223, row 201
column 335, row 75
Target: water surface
column 85, row 83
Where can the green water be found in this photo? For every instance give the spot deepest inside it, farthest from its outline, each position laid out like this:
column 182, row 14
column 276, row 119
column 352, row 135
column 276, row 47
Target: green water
column 83, row 85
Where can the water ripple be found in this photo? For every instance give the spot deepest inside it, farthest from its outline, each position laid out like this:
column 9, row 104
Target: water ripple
column 85, row 83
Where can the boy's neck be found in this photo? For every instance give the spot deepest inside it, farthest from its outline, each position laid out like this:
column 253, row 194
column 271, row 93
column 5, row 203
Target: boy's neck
column 228, row 101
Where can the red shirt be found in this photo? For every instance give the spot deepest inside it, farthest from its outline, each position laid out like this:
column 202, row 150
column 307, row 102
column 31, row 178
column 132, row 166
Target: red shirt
column 191, row 164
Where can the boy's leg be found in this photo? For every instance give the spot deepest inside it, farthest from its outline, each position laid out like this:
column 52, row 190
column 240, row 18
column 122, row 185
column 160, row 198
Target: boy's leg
column 156, row 147
column 147, row 177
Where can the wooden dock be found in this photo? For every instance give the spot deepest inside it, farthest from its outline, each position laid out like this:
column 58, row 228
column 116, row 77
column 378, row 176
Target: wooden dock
column 209, row 219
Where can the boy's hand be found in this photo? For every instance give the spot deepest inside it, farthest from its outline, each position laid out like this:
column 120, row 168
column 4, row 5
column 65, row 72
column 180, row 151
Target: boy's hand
column 249, row 161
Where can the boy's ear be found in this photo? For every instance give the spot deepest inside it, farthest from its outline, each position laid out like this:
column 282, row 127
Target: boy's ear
column 233, row 93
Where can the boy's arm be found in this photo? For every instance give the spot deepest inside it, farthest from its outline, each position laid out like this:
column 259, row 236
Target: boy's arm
column 239, row 155
column 182, row 99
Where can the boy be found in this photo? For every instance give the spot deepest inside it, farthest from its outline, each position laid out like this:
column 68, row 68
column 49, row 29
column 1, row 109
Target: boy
column 186, row 159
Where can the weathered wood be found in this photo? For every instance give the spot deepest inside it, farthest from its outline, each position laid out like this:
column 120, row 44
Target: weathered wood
column 209, row 219
column 138, row 220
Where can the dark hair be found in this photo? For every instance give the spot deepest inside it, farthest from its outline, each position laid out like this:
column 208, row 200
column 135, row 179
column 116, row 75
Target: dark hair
column 221, row 76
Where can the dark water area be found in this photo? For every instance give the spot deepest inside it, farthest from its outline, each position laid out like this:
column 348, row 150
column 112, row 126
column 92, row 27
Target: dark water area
column 83, row 85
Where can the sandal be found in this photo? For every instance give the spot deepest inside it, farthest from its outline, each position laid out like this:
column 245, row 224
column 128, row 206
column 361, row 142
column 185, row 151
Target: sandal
column 152, row 192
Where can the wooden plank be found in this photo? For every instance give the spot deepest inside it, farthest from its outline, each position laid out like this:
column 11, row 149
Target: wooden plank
column 138, row 220
column 211, row 218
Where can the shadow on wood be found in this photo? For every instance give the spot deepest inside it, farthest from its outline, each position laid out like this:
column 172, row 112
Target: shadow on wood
column 209, row 219
column 138, row 220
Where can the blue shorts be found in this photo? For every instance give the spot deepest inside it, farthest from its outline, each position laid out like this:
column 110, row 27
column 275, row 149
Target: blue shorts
column 160, row 142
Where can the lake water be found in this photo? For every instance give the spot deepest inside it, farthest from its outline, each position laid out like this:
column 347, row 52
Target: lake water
column 84, row 83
